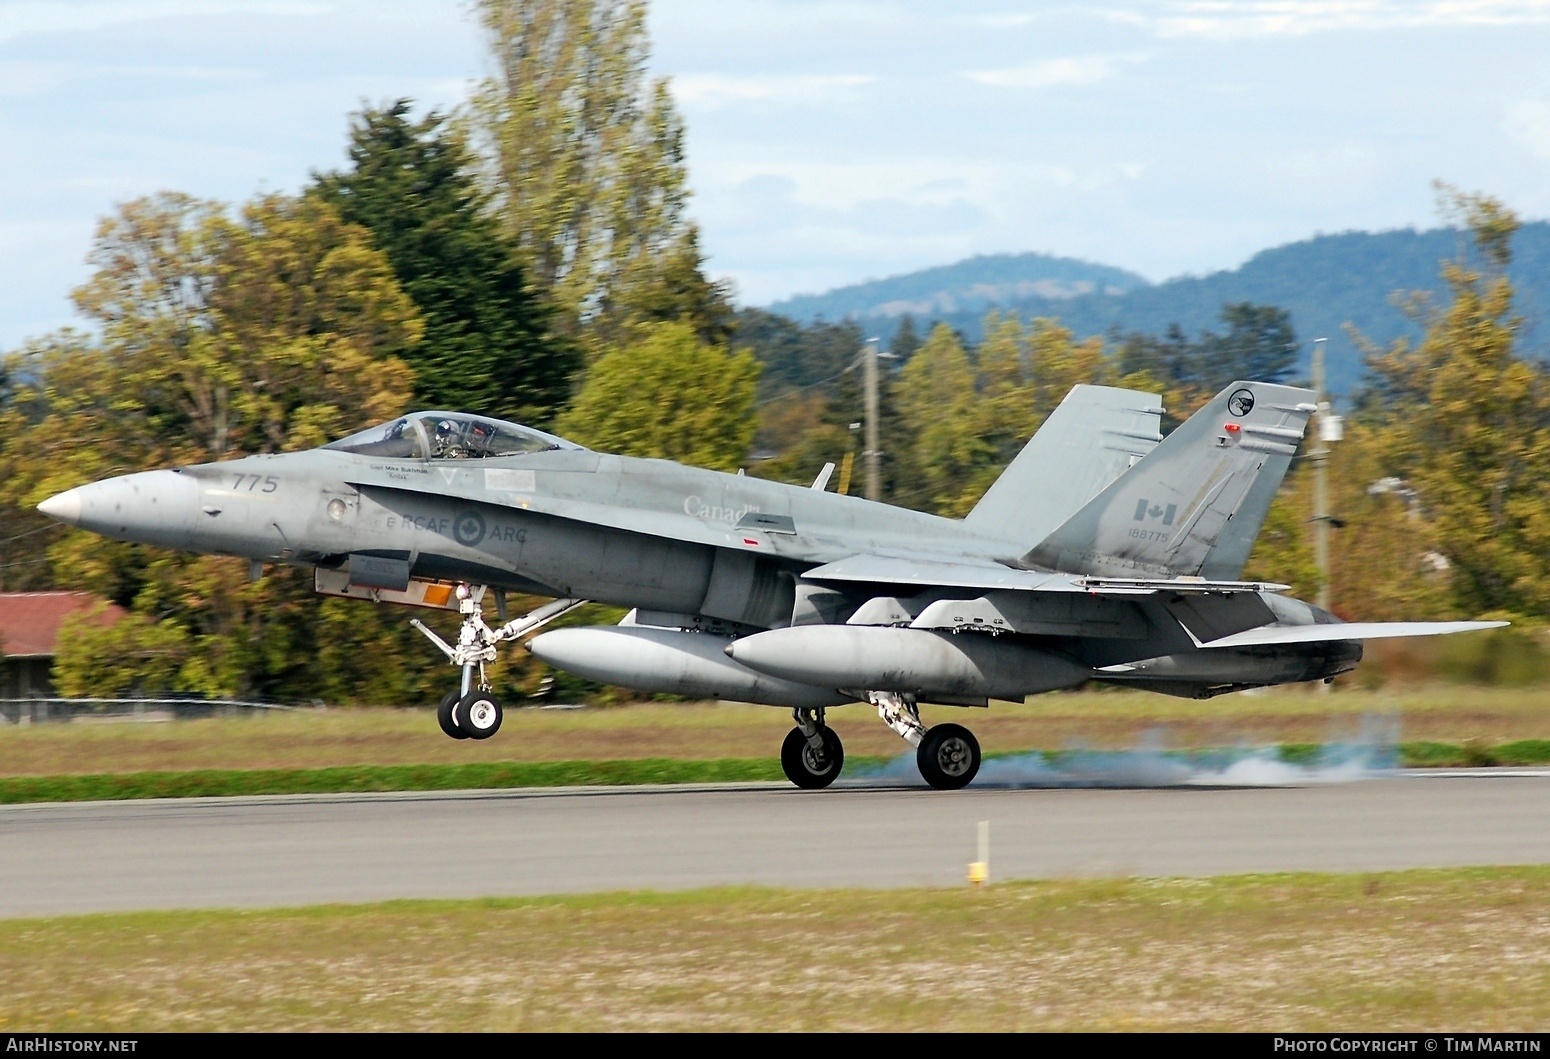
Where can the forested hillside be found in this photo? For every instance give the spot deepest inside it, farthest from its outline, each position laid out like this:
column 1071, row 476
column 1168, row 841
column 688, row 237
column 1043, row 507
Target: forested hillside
column 968, row 287
column 1325, row 282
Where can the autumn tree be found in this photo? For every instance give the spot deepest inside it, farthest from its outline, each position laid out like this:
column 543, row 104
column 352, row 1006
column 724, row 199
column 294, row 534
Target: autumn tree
column 937, row 397
column 1466, row 423
column 669, row 395
column 970, row 416
column 587, row 163
column 276, row 329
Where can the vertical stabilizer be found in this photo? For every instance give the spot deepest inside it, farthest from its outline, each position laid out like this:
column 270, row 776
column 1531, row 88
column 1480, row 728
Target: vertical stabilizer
column 1092, row 438
column 1194, row 505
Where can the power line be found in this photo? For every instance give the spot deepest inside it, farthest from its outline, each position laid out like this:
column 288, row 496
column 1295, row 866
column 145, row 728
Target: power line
column 40, row 529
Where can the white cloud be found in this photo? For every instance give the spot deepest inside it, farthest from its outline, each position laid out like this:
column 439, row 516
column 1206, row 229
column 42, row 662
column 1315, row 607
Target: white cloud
column 20, row 77
column 1234, row 19
column 1047, row 73
column 718, row 90
column 52, row 16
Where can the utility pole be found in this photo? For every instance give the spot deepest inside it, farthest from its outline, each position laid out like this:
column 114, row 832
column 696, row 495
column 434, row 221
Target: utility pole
column 1320, row 457
column 874, row 482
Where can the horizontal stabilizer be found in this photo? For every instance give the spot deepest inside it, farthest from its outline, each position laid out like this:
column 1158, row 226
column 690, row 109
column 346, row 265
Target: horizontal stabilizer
column 1140, row 586
column 1356, row 630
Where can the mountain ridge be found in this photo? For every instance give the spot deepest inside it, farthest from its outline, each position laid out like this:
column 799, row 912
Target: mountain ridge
column 980, row 281
column 1326, row 282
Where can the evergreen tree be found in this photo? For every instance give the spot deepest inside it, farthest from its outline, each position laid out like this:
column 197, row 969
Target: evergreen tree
column 1259, row 345
column 487, row 345
column 794, row 354
column 905, row 340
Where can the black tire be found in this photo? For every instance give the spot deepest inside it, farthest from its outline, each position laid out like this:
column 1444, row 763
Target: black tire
column 444, row 715
column 478, row 714
column 948, row 756
column 796, row 758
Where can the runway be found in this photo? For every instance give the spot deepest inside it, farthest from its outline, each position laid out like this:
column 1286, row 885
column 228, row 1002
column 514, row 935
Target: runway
column 254, row 852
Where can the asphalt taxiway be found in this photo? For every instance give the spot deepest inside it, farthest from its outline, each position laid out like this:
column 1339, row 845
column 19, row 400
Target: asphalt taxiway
column 292, row 850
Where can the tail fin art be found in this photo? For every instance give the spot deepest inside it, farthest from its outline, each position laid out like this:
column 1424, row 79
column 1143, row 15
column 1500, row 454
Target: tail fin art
column 1090, row 439
column 1194, row 505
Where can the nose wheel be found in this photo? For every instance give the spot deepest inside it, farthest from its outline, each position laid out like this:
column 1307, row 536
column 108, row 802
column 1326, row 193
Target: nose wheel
column 812, row 754
column 445, row 715
column 478, row 715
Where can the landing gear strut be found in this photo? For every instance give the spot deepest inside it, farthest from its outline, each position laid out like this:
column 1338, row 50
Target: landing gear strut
column 812, row 754
column 948, row 755
column 472, row 712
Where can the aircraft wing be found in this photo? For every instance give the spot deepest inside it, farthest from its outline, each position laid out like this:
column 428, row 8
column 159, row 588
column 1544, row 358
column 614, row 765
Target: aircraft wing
column 1357, row 630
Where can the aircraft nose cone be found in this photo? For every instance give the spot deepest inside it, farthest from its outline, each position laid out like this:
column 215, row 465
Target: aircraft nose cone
column 63, row 507
column 152, row 507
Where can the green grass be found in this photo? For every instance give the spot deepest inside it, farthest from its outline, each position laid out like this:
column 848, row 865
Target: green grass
column 476, row 775
column 1399, row 951
column 314, row 739
column 494, row 775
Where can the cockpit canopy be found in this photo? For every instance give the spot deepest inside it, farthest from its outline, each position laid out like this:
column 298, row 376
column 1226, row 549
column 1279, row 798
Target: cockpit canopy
column 448, row 436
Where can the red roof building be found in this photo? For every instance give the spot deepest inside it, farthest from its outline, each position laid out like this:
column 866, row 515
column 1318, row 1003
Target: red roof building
column 29, row 636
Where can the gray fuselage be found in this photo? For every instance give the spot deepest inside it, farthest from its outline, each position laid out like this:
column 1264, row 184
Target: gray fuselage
column 647, row 534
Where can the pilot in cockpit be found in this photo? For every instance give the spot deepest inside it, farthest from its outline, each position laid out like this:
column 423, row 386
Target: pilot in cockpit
column 447, row 441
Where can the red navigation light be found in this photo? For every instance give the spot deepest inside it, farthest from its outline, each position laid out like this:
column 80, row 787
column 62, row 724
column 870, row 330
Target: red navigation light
column 1232, row 428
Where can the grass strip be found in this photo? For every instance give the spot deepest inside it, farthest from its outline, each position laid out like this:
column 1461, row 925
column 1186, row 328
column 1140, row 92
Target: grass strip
column 1386, row 952
column 355, row 778
column 498, row 775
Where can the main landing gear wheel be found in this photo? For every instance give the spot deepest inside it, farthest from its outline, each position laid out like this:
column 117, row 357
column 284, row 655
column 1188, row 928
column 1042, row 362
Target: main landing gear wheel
column 948, row 756
column 444, row 715
column 807, row 767
column 478, row 715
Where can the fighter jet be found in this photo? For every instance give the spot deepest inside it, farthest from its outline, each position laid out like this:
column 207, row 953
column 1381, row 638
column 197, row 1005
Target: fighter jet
column 1103, row 553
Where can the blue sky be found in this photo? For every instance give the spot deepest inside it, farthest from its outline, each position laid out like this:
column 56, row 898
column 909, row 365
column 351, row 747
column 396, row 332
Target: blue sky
column 829, row 140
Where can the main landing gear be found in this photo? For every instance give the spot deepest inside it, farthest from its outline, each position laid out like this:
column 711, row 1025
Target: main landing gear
column 948, row 755
column 812, row 754
column 472, row 712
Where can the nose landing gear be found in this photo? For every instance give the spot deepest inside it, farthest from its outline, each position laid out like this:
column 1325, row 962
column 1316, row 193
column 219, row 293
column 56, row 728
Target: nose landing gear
column 472, row 712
